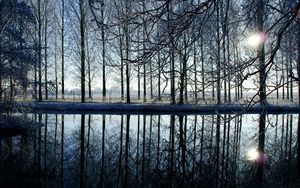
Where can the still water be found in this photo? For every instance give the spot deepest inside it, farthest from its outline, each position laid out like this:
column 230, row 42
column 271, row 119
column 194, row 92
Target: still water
column 96, row 150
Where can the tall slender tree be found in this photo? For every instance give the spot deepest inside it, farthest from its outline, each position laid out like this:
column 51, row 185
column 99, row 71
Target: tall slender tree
column 171, row 52
column 39, row 22
column 46, row 47
column 127, row 57
column 103, row 51
column 63, row 49
column 261, row 53
column 82, row 48
column 218, row 79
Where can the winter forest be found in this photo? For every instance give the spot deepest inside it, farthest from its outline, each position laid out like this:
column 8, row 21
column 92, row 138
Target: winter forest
column 178, row 52
column 150, row 93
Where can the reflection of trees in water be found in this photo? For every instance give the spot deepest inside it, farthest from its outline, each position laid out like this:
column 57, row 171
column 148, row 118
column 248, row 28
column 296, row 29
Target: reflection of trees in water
column 277, row 142
column 298, row 144
column 30, row 160
column 144, row 150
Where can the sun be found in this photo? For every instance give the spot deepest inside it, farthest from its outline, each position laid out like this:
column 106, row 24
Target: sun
column 252, row 154
column 256, row 39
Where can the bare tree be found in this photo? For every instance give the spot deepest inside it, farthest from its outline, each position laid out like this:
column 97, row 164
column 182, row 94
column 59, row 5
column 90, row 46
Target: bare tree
column 261, row 54
column 82, row 48
column 39, row 22
column 46, row 47
column 62, row 49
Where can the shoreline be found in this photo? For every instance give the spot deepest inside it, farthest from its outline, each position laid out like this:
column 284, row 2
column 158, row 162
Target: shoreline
column 134, row 108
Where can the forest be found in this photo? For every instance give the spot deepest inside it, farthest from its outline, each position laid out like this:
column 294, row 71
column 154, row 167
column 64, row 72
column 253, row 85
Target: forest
column 177, row 52
column 150, row 93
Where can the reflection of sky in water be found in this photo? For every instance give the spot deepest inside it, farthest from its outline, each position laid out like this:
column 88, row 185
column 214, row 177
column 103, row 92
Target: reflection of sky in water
column 249, row 131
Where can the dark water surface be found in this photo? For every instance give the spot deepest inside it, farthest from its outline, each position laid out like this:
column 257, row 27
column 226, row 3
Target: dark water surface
column 154, row 151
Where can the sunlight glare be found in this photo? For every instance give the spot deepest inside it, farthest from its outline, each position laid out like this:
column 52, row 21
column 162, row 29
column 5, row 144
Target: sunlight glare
column 256, row 39
column 252, row 154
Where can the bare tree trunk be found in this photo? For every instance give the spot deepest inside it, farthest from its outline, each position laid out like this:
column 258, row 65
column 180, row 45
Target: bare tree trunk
column 138, row 66
column 151, row 81
column 126, row 33
column 228, row 49
column 277, row 83
column 287, row 71
column 261, row 55
column 82, row 48
column 144, row 61
column 181, row 85
column 63, row 49
column 159, row 75
column 139, row 81
column 173, row 90
column 103, row 52
column 172, row 56
column 120, row 29
column 224, row 30
column 144, row 81
column 283, row 77
column 218, row 54
column 55, row 66
column 183, row 75
column 236, row 75
column 240, row 83
column 195, row 71
column 40, row 98
column 290, row 71
column 89, row 68
column 202, row 67
column 46, row 51
column 122, row 64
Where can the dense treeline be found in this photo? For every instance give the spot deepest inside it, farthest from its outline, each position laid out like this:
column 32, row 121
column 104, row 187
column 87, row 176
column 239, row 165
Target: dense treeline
column 179, row 51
